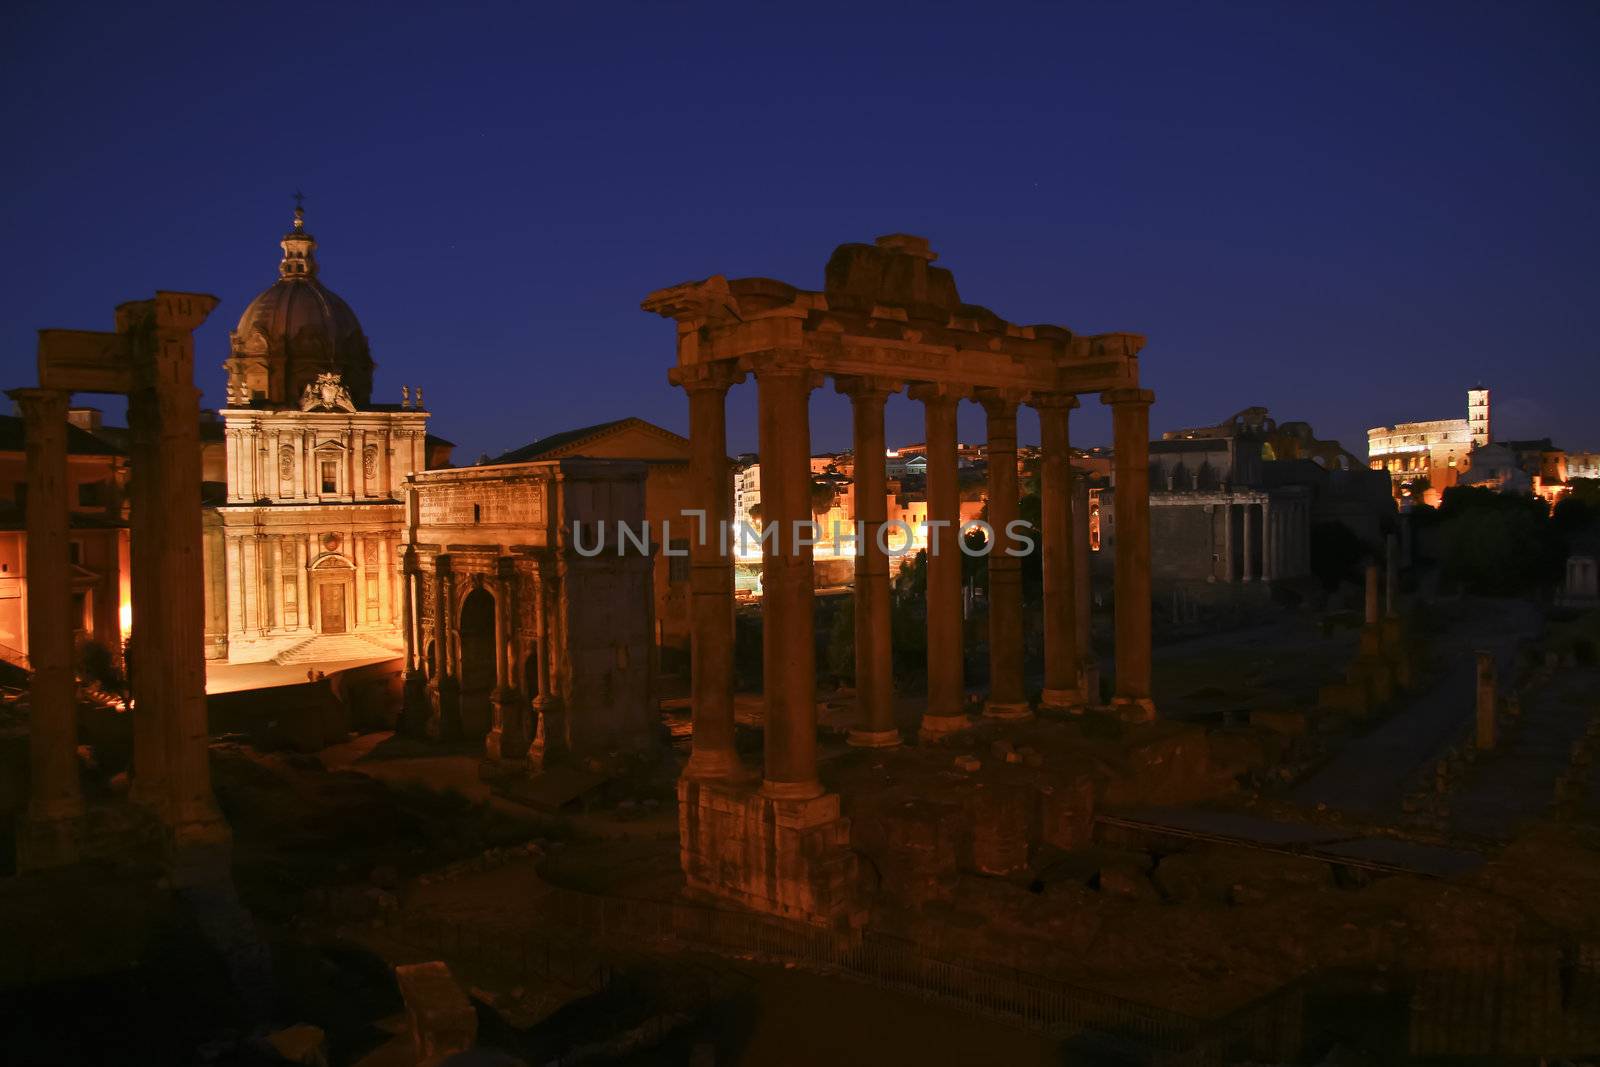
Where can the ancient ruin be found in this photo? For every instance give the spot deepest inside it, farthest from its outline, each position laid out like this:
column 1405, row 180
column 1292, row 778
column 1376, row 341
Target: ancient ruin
column 527, row 623
column 150, row 360
column 886, row 319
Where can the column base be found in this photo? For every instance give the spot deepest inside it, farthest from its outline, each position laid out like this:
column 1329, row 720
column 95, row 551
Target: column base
column 937, row 726
column 1134, row 709
column 873, row 738
column 787, row 857
column 1069, row 701
column 504, row 746
column 1009, row 711
column 807, row 790
column 46, row 842
column 717, row 765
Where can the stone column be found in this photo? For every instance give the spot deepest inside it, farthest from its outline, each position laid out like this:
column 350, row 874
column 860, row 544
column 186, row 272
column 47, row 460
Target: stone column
column 177, row 653
column 1230, row 570
column 875, row 726
column 302, row 583
column 1269, row 542
column 1372, row 595
column 149, row 788
column 788, row 648
column 1083, row 595
column 541, row 665
column 47, row 834
column 1391, row 582
column 1058, row 490
column 712, row 754
column 1486, row 694
column 1130, row 420
column 1248, row 562
column 1007, row 698
column 407, row 617
column 507, row 738
column 946, row 709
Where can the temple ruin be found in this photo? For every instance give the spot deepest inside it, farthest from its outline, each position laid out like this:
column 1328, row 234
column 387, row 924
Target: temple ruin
column 886, row 319
column 150, row 360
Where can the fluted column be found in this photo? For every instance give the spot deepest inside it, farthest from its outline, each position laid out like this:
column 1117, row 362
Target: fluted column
column 946, row 709
column 712, row 754
column 1130, row 421
column 1007, row 698
column 1059, row 536
column 788, row 648
column 875, row 726
column 55, row 795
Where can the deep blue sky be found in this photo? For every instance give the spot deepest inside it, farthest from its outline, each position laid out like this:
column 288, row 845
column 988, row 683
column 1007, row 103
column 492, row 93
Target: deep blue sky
column 1346, row 214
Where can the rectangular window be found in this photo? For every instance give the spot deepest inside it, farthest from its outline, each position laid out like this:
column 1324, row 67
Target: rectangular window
column 330, row 476
column 91, row 494
column 678, row 566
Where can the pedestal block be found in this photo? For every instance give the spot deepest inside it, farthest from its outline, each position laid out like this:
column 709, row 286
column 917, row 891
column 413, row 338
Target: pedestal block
column 937, row 726
column 783, row 857
column 1069, row 701
column 444, row 711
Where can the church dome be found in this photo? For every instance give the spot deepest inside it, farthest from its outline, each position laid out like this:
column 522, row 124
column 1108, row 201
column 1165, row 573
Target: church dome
column 294, row 332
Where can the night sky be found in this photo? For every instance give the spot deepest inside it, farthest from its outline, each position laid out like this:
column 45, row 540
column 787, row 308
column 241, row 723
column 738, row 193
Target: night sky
column 1346, row 215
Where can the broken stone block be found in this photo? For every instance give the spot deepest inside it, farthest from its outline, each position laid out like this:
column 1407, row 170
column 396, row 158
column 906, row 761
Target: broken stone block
column 1125, row 876
column 968, row 764
column 440, row 1016
column 1002, row 816
column 1066, row 814
column 303, row 1044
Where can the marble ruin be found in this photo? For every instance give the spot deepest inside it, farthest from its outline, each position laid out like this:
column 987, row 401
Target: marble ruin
column 150, row 360
column 886, row 319
column 527, row 618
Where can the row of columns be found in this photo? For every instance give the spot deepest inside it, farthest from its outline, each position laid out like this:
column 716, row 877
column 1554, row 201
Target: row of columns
column 1282, row 529
column 784, row 386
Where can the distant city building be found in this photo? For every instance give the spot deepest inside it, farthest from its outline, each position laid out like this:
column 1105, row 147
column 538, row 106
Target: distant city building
column 1425, row 458
column 1236, row 502
column 97, row 546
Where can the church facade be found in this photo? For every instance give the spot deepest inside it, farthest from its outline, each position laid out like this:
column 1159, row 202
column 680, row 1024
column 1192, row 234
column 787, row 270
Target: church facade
column 302, row 553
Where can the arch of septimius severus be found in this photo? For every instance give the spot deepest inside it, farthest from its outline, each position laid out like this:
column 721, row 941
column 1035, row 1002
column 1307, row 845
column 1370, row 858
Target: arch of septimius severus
column 886, row 319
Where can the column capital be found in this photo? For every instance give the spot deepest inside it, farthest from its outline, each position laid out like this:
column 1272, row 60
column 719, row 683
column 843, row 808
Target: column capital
column 1131, row 396
column 42, row 403
column 937, row 393
column 783, row 363
column 718, row 376
column 865, row 386
column 1062, row 402
column 999, row 401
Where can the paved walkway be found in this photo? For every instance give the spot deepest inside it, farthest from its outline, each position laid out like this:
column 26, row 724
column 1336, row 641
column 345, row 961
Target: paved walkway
column 1369, row 774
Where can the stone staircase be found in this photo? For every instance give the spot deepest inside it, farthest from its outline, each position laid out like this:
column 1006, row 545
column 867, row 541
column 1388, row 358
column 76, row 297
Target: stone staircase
column 335, row 648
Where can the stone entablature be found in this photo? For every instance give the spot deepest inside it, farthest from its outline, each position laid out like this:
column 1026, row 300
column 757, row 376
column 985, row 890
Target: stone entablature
column 514, row 635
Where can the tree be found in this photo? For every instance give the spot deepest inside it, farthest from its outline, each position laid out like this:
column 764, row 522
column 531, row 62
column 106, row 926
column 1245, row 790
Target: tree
column 1498, row 544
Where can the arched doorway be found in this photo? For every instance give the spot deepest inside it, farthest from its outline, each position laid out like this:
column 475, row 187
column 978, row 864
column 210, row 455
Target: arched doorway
column 477, row 662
